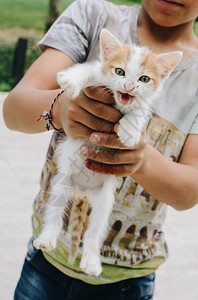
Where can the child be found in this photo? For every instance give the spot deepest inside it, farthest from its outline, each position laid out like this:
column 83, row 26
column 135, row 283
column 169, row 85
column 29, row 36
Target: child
column 161, row 170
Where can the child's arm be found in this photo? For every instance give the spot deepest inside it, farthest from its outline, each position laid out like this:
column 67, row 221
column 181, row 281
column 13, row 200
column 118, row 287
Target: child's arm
column 36, row 91
column 173, row 183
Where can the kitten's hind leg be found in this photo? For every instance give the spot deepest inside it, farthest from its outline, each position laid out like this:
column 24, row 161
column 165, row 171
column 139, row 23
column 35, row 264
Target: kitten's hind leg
column 59, row 197
column 102, row 200
column 51, row 229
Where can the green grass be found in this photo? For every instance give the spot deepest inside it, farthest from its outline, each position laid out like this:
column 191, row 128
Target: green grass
column 26, row 13
column 23, row 13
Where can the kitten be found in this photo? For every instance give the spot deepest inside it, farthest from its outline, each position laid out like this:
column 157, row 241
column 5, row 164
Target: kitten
column 135, row 76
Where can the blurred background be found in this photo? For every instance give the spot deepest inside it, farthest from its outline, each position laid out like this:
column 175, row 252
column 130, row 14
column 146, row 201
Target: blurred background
column 22, row 25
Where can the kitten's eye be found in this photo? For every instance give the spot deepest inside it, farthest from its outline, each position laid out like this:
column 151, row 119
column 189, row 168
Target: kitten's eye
column 120, row 72
column 144, row 79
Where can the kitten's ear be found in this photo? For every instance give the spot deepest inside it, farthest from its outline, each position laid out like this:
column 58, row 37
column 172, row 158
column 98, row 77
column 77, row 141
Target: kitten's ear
column 168, row 62
column 109, row 45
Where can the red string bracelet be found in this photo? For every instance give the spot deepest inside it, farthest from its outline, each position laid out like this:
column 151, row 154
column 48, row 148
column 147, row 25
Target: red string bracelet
column 47, row 116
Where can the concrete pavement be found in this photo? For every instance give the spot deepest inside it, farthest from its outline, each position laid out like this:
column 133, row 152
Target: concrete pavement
column 21, row 159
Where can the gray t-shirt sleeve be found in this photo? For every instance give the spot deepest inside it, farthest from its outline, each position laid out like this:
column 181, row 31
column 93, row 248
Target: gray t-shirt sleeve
column 74, row 31
column 194, row 128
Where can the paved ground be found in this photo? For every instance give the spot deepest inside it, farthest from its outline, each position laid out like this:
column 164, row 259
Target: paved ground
column 21, row 159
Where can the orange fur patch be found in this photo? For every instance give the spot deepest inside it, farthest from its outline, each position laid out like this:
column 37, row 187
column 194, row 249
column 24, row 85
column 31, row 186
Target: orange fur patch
column 149, row 66
column 120, row 59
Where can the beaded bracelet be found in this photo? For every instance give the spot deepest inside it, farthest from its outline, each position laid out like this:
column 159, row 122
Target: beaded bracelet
column 47, row 116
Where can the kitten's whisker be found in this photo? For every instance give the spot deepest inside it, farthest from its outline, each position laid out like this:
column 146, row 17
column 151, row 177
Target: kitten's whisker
column 100, row 91
column 103, row 89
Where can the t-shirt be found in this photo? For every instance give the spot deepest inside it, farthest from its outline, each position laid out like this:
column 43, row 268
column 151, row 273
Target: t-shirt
column 134, row 245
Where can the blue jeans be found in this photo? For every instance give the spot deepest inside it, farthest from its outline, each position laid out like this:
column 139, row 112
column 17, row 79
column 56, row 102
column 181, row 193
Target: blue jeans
column 41, row 281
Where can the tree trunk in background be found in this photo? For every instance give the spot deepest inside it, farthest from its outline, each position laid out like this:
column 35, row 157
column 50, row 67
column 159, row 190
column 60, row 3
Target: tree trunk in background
column 54, row 12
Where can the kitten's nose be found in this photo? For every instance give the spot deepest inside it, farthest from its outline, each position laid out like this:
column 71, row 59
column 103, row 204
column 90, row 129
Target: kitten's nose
column 129, row 87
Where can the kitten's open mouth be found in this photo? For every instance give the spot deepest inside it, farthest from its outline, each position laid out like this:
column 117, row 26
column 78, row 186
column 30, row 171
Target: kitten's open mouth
column 125, row 98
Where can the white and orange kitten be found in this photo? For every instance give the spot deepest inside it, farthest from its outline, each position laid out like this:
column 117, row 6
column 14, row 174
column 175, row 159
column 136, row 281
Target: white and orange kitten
column 135, row 76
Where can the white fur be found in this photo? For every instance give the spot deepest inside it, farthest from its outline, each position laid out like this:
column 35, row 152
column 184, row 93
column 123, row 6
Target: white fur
column 98, row 188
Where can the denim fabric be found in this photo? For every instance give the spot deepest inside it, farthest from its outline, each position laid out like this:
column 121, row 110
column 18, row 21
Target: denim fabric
column 41, row 281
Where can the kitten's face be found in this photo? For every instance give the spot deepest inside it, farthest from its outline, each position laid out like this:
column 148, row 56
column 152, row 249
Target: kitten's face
column 133, row 73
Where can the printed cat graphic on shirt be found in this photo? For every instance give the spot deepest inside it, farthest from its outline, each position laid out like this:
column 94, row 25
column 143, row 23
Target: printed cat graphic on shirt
column 135, row 76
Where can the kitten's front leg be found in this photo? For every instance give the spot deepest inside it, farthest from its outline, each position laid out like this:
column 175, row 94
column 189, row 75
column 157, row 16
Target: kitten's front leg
column 70, row 81
column 131, row 127
column 77, row 78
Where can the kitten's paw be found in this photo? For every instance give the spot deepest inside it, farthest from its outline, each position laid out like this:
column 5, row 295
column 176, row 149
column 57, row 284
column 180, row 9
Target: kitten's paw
column 68, row 85
column 127, row 136
column 90, row 264
column 44, row 244
column 71, row 89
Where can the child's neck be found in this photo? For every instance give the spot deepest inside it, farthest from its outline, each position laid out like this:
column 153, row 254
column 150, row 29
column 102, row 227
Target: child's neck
column 164, row 39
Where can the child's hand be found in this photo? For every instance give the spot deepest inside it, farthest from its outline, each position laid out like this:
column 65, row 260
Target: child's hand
column 120, row 160
column 91, row 111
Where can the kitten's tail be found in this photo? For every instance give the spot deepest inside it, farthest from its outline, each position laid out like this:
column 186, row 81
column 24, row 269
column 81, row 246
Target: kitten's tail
column 76, row 224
